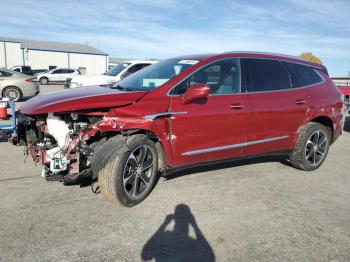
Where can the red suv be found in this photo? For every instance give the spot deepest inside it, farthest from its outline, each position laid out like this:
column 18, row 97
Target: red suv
column 179, row 112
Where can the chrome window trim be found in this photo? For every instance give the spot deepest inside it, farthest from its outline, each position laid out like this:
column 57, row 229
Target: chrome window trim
column 323, row 80
column 155, row 115
column 274, row 54
column 220, row 148
column 281, row 60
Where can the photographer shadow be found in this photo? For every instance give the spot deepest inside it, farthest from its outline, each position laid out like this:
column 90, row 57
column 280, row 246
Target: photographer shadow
column 178, row 245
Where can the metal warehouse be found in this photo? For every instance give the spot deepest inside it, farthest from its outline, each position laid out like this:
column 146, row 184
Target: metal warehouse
column 47, row 55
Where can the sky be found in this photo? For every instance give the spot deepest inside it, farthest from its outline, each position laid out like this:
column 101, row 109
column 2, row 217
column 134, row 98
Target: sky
column 167, row 28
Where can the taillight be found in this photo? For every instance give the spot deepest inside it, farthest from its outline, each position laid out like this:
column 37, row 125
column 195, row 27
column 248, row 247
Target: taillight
column 31, row 80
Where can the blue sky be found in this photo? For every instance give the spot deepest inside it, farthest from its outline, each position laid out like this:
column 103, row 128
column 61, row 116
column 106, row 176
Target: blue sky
column 165, row 28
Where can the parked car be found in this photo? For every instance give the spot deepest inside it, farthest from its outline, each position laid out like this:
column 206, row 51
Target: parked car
column 115, row 74
column 27, row 70
column 15, row 86
column 57, row 75
column 343, row 83
column 180, row 112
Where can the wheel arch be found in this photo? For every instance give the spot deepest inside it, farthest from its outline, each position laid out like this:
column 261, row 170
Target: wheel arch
column 162, row 159
column 119, row 145
column 326, row 121
column 41, row 77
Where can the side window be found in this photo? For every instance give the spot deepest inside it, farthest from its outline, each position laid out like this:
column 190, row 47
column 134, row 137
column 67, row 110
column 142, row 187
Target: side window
column 302, row 75
column 17, row 69
column 268, row 75
column 4, row 73
column 70, row 71
column 223, row 77
column 133, row 68
column 58, row 71
column 136, row 68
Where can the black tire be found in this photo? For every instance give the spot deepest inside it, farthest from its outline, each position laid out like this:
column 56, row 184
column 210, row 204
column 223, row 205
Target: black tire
column 44, row 80
column 117, row 179
column 13, row 93
column 312, row 146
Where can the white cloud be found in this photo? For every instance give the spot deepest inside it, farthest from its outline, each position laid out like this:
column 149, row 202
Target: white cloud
column 156, row 28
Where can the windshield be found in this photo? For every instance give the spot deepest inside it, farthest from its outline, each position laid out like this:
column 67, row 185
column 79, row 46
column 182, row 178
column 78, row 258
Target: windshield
column 154, row 75
column 114, row 71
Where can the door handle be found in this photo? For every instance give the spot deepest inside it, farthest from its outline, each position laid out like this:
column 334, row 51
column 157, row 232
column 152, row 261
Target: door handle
column 236, row 106
column 299, row 102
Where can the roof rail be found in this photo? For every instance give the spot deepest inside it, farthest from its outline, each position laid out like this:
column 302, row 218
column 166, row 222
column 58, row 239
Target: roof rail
column 266, row 53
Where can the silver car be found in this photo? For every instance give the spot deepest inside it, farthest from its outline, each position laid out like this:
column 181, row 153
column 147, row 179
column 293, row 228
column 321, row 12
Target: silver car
column 15, row 85
column 56, row 75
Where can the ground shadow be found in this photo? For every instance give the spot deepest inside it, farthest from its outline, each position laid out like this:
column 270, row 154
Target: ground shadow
column 177, row 244
column 225, row 164
column 347, row 124
column 4, row 137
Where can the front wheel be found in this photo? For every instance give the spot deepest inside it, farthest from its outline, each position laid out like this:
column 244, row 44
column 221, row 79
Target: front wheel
column 312, row 147
column 130, row 177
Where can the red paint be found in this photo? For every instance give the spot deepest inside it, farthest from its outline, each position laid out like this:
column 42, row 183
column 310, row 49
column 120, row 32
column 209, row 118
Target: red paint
column 3, row 111
column 78, row 99
column 213, row 121
column 345, row 90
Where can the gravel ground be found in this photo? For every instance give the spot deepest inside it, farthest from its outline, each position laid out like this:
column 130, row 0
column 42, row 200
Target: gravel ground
column 256, row 210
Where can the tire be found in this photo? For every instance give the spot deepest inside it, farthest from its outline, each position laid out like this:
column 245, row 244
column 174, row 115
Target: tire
column 117, row 179
column 44, row 80
column 13, row 93
column 312, row 147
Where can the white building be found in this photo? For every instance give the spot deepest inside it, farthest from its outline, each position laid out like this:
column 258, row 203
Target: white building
column 46, row 55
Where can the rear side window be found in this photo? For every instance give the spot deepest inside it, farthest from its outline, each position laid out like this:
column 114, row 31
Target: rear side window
column 4, row 73
column 302, row 75
column 268, row 75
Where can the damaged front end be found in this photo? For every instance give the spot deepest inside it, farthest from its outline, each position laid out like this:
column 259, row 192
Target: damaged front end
column 63, row 143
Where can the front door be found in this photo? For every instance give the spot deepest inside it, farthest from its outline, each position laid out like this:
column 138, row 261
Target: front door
column 212, row 128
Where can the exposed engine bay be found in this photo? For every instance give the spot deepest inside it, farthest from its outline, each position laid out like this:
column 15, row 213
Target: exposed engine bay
column 63, row 143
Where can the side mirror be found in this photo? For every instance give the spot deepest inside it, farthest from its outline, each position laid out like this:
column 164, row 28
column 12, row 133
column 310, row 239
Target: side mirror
column 196, row 91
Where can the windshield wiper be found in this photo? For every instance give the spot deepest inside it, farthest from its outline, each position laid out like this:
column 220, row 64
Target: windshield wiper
column 121, row 88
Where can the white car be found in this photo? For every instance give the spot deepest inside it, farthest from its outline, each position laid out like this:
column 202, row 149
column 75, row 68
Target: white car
column 115, row 74
column 56, row 75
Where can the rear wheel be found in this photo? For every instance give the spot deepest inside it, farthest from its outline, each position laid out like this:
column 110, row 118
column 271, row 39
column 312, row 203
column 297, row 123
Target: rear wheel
column 312, row 147
column 130, row 177
column 13, row 93
column 44, row 80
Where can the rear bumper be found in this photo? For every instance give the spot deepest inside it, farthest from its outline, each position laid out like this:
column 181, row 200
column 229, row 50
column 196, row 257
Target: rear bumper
column 30, row 90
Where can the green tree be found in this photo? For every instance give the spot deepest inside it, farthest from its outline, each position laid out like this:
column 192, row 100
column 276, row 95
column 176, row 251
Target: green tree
column 311, row 57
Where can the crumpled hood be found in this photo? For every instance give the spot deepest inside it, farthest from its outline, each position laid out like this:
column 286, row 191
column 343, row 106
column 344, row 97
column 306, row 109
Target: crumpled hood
column 78, row 99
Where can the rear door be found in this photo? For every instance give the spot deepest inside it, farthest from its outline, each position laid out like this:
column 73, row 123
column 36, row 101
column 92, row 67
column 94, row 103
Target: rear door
column 65, row 73
column 55, row 75
column 276, row 109
column 213, row 128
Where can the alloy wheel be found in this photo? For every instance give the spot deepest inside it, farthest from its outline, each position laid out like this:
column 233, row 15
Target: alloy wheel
column 12, row 94
column 316, row 147
column 138, row 171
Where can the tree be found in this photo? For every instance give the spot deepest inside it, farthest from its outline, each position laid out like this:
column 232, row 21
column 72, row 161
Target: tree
column 311, row 57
